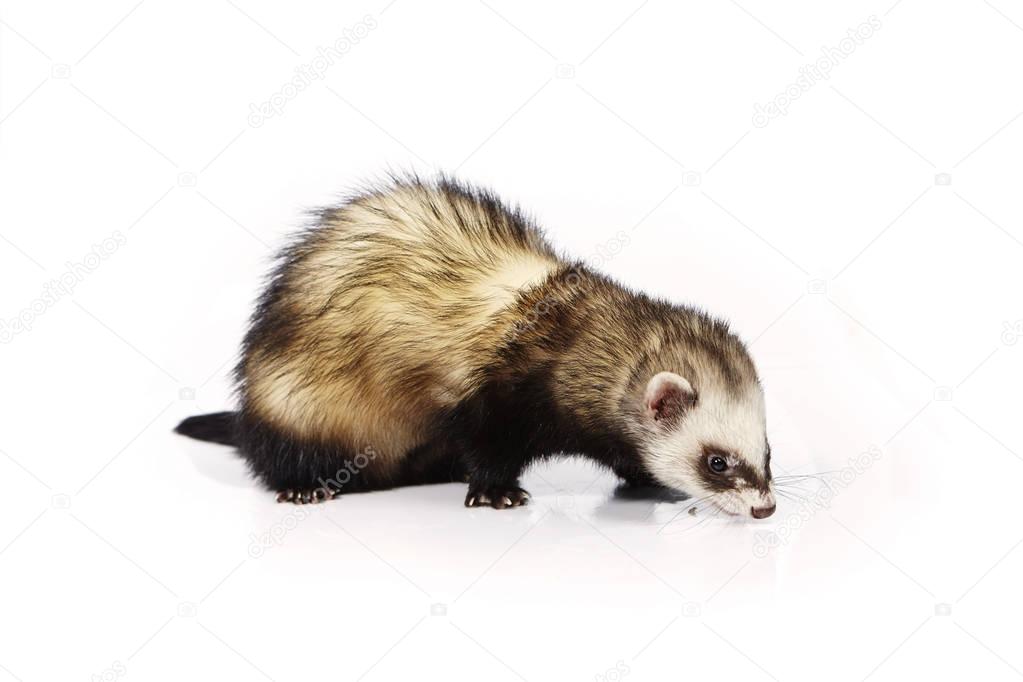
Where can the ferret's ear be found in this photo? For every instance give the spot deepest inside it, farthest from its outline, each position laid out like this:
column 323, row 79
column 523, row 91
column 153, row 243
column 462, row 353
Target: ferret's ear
column 668, row 397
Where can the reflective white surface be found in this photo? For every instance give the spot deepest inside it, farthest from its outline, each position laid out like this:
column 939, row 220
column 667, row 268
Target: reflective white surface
column 867, row 244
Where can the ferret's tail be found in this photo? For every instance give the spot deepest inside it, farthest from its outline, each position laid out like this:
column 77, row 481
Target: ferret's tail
column 218, row 427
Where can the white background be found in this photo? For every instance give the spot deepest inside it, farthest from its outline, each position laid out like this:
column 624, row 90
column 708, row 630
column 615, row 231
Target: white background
column 881, row 299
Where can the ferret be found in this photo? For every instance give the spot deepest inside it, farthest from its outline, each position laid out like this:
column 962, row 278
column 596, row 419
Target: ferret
column 424, row 331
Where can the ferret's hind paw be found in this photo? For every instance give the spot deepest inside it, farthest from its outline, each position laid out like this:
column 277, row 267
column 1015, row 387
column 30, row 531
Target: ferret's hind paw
column 498, row 497
column 306, row 495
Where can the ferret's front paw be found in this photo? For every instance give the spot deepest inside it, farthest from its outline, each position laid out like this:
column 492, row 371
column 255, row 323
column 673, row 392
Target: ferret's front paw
column 306, row 496
column 498, row 497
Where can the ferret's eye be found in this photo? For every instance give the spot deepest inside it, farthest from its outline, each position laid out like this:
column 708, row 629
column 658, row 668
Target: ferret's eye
column 717, row 464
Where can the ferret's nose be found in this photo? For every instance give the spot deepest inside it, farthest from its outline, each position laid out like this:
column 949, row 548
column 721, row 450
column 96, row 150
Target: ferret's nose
column 762, row 512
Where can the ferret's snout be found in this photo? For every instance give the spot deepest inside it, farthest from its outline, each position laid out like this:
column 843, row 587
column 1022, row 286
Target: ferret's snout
column 762, row 512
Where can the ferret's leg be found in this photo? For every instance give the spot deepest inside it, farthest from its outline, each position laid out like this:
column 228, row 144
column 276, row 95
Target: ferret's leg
column 498, row 430
column 633, row 476
column 439, row 460
column 493, row 467
column 302, row 472
column 497, row 437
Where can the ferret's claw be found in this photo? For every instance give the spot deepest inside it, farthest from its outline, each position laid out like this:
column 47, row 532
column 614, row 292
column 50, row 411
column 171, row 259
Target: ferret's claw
column 306, row 496
column 498, row 497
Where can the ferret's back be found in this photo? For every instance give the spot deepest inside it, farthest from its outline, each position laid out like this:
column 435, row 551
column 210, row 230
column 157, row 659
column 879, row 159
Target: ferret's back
column 377, row 317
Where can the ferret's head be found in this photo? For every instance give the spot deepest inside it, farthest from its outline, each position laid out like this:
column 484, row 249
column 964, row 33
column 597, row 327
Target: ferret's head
column 709, row 443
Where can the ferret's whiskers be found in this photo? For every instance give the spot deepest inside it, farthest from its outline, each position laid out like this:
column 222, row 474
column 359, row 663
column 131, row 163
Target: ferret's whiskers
column 690, row 504
column 714, row 513
column 802, row 477
column 694, row 526
column 800, row 492
column 795, row 484
column 819, row 475
column 797, row 481
column 790, row 495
